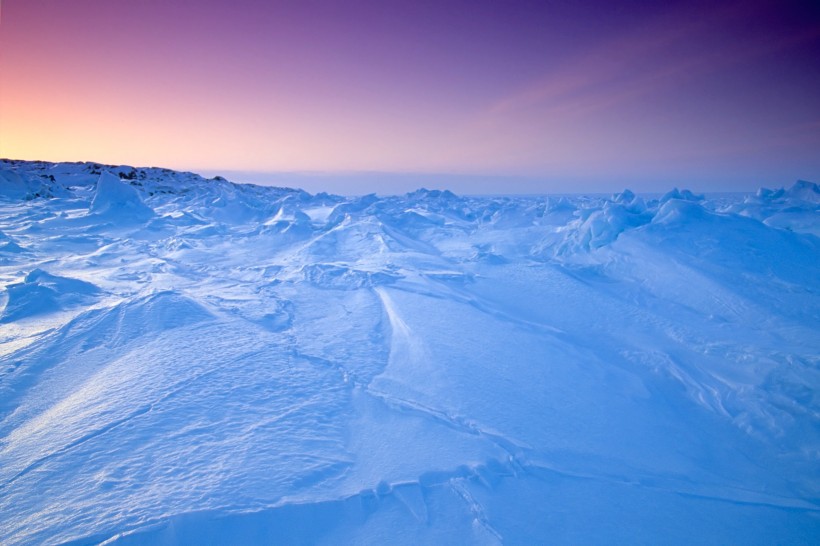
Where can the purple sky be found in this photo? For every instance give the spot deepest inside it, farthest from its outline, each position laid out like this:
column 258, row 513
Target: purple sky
column 526, row 96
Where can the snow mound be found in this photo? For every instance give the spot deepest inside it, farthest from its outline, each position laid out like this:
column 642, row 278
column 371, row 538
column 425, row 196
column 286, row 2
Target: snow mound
column 679, row 211
column 804, row 191
column 146, row 316
column 115, row 198
column 684, row 195
column 288, row 220
column 602, row 227
column 793, row 209
column 599, row 225
column 15, row 186
column 41, row 293
column 7, row 244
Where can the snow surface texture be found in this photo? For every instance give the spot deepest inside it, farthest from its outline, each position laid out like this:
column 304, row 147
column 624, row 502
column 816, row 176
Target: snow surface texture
column 193, row 361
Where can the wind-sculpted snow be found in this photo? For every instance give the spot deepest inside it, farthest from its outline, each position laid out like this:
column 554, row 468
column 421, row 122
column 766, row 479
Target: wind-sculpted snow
column 41, row 293
column 191, row 361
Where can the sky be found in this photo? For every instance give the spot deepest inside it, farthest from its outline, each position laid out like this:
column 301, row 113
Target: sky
column 478, row 96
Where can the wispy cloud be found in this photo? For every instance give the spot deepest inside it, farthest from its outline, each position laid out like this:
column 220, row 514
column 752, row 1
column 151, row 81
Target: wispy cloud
column 663, row 53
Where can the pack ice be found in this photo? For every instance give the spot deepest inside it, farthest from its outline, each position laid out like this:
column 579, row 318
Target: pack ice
column 192, row 361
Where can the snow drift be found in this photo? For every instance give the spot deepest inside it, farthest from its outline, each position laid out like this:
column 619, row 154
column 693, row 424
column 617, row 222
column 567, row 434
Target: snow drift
column 41, row 293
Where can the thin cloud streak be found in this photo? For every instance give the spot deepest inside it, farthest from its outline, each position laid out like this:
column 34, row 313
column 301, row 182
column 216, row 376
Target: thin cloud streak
column 639, row 63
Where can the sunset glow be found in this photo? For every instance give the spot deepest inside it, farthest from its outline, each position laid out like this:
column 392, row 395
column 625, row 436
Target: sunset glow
column 717, row 97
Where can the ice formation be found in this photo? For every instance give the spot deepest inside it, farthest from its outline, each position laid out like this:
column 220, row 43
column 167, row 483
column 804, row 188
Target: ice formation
column 191, row 361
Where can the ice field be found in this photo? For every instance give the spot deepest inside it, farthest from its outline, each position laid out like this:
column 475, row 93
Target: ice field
column 192, row 361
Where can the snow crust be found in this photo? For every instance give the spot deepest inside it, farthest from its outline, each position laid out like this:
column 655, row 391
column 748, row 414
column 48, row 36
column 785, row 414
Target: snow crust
column 191, row 361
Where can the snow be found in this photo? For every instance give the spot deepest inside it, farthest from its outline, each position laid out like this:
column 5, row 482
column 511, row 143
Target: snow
column 43, row 293
column 193, row 361
column 113, row 197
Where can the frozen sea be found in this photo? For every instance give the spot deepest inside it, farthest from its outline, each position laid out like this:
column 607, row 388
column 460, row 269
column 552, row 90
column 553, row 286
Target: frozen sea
column 192, row 361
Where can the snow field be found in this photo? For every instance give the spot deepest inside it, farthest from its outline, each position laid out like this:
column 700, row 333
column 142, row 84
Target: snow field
column 193, row 361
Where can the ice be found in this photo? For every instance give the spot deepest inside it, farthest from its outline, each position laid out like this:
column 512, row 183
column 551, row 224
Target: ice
column 684, row 195
column 191, row 361
column 794, row 209
column 113, row 197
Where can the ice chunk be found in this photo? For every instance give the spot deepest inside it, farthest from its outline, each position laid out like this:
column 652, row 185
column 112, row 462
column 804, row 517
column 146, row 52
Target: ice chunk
column 685, row 195
column 805, row 191
column 119, row 200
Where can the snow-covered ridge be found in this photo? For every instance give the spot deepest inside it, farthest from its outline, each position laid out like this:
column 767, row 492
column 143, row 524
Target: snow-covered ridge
column 185, row 360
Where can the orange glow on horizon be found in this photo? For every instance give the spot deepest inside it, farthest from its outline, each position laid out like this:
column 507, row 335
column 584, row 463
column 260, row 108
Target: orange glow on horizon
column 284, row 88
